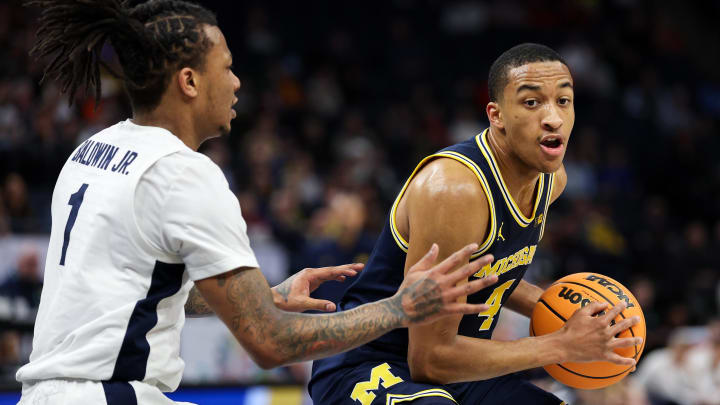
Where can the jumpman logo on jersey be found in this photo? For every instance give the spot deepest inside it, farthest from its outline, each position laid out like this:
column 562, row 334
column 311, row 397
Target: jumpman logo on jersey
column 500, row 235
column 538, row 220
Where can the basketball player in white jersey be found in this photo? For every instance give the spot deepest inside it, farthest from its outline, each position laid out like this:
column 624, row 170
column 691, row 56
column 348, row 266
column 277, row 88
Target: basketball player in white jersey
column 139, row 218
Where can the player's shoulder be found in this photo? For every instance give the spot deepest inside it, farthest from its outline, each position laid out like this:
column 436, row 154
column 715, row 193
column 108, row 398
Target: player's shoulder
column 445, row 188
column 446, row 178
column 188, row 165
column 189, row 159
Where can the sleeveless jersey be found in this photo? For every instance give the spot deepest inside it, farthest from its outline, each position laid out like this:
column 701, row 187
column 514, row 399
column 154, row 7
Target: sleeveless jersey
column 112, row 305
column 512, row 239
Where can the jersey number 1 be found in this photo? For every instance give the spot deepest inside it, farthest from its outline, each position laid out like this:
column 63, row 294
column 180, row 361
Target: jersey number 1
column 75, row 202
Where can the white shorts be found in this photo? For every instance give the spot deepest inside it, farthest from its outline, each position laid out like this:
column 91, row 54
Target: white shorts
column 74, row 392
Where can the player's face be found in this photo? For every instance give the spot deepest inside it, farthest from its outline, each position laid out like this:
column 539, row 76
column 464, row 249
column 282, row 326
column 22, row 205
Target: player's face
column 538, row 113
column 221, row 84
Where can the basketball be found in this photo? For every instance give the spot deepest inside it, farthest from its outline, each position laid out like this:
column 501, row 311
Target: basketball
column 571, row 293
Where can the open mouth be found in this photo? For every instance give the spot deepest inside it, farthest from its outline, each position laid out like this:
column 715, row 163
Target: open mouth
column 232, row 108
column 552, row 146
column 551, row 142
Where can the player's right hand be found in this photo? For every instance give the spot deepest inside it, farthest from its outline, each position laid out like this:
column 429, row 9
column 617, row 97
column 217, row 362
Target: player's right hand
column 589, row 335
column 431, row 291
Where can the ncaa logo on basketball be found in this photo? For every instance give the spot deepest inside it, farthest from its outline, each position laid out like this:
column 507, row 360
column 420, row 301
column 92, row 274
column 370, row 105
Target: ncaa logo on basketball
column 612, row 288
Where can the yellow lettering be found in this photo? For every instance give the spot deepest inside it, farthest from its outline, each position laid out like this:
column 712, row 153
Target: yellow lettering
column 490, row 269
column 531, row 254
column 362, row 390
column 501, row 266
column 510, row 264
column 481, row 273
column 524, row 256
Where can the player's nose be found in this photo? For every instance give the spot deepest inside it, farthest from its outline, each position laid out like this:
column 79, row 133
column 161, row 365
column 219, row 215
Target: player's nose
column 236, row 83
column 552, row 120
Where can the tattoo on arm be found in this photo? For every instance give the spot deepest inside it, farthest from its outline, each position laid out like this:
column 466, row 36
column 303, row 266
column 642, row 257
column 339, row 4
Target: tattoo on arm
column 196, row 306
column 281, row 292
column 423, row 299
column 296, row 337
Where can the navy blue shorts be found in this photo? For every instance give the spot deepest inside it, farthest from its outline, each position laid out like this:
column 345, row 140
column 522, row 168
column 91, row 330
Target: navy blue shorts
column 389, row 383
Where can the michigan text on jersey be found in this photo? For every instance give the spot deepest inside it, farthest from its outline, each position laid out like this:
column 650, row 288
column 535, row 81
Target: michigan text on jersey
column 501, row 266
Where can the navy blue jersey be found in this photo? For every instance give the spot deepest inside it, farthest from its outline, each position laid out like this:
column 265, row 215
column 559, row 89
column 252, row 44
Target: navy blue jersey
column 390, row 383
column 512, row 239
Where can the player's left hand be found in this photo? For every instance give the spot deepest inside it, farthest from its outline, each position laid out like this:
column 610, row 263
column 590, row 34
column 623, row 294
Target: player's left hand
column 293, row 294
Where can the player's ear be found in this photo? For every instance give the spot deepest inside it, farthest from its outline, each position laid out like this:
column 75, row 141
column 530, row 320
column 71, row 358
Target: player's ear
column 494, row 114
column 187, row 80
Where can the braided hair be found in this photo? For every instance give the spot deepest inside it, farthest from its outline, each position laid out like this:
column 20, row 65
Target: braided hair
column 152, row 41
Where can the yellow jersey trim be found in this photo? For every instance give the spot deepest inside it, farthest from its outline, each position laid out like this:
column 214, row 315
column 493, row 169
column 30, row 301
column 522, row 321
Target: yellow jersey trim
column 392, row 399
column 547, row 205
column 520, row 218
column 403, row 244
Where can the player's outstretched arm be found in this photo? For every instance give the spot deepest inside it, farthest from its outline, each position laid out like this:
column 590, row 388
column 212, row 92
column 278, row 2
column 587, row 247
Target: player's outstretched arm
column 243, row 300
column 292, row 294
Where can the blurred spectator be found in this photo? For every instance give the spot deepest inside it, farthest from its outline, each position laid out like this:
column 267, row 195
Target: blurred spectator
column 20, row 292
column 17, row 203
column 625, row 392
column 704, row 365
column 340, row 238
column 10, row 358
column 667, row 374
column 465, row 125
column 4, row 219
column 325, row 96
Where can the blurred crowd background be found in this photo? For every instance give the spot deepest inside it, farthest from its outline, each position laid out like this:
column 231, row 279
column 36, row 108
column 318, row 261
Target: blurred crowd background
column 339, row 102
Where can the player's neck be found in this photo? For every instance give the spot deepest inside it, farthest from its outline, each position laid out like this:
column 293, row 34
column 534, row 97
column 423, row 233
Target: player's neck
column 519, row 178
column 179, row 124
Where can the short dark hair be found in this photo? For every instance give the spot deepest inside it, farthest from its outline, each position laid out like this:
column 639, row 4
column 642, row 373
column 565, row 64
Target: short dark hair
column 152, row 40
column 517, row 56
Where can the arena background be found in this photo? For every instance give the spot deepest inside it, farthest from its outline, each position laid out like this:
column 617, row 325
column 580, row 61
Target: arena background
column 341, row 99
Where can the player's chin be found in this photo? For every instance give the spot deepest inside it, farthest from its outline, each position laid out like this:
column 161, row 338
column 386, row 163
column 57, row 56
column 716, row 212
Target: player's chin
column 550, row 165
column 225, row 129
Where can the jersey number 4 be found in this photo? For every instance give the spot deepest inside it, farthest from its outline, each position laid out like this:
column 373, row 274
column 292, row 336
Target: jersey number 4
column 495, row 300
column 76, row 200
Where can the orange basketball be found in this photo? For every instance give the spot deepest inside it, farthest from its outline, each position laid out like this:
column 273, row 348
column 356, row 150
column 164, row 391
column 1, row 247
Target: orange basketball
column 566, row 296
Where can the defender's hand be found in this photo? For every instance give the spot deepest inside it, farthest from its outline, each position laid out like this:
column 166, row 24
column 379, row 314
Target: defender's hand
column 293, row 294
column 430, row 292
column 589, row 335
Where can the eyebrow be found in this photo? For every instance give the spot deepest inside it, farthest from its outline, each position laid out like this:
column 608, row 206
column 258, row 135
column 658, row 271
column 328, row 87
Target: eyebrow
column 533, row 87
column 530, row 87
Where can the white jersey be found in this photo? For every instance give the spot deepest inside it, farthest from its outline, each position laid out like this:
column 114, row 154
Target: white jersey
column 136, row 216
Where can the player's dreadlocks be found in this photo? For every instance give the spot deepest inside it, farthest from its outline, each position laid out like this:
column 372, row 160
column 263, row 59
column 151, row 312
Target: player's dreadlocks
column 152, row 40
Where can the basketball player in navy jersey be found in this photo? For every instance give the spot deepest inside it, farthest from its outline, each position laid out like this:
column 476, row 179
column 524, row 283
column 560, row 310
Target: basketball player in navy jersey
column 139, row 218
column 493, row 189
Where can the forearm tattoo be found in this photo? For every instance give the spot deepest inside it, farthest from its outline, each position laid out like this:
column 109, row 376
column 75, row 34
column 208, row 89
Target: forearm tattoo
column 196, row 305
column 281, row 292
column 297, row 337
